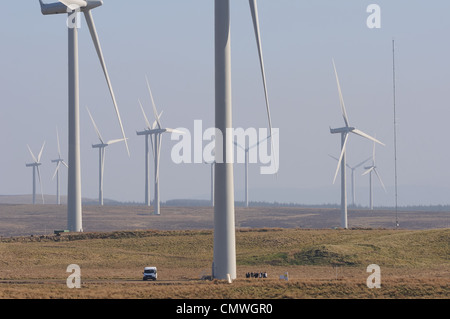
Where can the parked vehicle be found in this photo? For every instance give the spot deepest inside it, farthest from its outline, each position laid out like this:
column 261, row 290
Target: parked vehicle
column 150, row 273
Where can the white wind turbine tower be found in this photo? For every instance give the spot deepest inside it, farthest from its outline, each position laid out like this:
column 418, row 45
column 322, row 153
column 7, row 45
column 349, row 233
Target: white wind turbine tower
column 370, row 169
column 35, row 165
column 71, row 8
column 224, row 259
column 147, row 132
column 353, row 169
column 247, row 151
column 156, row 130
column 344, row 131
column 58, row 162
column 101, row 157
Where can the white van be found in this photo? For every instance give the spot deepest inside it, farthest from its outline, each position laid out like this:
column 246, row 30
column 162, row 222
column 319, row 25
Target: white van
column 150, row 273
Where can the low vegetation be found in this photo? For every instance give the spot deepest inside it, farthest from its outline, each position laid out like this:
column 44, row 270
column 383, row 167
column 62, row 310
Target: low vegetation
column 319, row 264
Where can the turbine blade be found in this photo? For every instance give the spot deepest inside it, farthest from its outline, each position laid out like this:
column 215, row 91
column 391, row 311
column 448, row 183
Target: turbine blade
column 56, row 170
column 360, row 133
column 153, row 148
column 373, row 154
column 65, row 164
column 260, row 141
column 155, row 122
column 115, row 141
column 145, row 116
column 340, row 157
column 103, row 161
column 359, row 164
column 40, row 153
column 159, row 155
column 379, row 178
column 40, row 182
column 368, row 171
column 94, row 35
column 238, row 145
column 337, row 159
column 171, row 130
column 341, row 98
column 255, row 18
column 57, row 141
column 95, row 126
column 155, row 112
column 32, row 155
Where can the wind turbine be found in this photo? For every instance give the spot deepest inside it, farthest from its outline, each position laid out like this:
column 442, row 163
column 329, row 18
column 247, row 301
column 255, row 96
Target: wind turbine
column 58, row 162
column 247, row 150
column 224, row 259
column 101, row 157
column 353, row 169
column 370, row 169
column 344, row 131
column 156, row 130
column 35, row 165
column 147, row 132
column 71, row 8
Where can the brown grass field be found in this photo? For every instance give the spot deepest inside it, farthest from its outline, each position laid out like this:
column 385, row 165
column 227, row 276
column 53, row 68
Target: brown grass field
column 322, row 262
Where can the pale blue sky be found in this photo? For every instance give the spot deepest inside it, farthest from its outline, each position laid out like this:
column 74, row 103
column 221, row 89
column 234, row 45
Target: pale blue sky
column 172, row 43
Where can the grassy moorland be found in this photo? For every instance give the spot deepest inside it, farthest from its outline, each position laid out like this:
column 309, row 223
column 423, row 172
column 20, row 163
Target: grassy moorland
column 25, row 220
column 321, row 263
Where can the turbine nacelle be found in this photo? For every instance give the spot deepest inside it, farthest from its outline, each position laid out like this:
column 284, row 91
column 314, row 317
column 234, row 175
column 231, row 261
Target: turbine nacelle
column 156, row 131
column 33, row 164
column 159, row 131
column 99, row 145
column 103, row 145
column 63, row 6
column 346, row 129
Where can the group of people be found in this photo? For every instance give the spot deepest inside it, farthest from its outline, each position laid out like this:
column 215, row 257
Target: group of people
column 256, row 275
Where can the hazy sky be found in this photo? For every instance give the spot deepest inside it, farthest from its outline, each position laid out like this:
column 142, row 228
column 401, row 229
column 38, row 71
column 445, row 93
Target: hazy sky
column 172, row 42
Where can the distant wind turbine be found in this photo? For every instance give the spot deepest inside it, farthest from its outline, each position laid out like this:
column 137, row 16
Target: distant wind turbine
column 35, row 165
column 247, row 150
column 147, row 132
column 101, row 157
column 69, row 7
column 370, row 169
column 353, row 169
column 344, row 131
column 156, row 130
column 58, row 162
